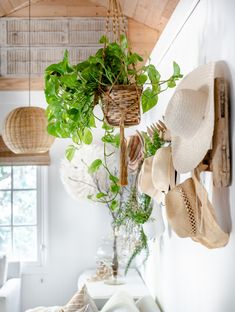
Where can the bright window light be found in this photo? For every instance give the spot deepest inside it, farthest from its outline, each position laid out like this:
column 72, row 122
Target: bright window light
column 20, row 213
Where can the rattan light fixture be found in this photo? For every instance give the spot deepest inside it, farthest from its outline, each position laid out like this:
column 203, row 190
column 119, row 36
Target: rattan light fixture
column 25, row 128
column 24, row 131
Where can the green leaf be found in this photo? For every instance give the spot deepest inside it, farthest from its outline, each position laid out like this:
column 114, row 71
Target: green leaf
column 134, row 58
column 73, row 114
column 171, row 83
column 60, row 68
column 104, row 39
column 113, row 178
column 123, row 42
column 116, row 141
column 100, row 195
column 87, row 136
column 114, row 188
column 51, row 128
column 141, row 79
column 105, row 126
column 75, row 138
column 90, row 196
column 70, row 151
column 149, row 99
column 112, row 139
column 81, row 66
column 92, row 122
column 153, row 74
column 94, row 166
column 176, row 69
column 114, row 205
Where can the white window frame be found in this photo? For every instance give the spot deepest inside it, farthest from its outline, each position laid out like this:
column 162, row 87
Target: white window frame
column 29, row 267
column 42, row 217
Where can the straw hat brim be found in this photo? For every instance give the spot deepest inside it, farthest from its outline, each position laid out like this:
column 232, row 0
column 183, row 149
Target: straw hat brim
column 145, row 183
column 187, row 153
column 162, row 169
column 208, row 230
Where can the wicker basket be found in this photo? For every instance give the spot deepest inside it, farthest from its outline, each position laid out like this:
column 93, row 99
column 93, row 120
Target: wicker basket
column 24, row 131
column 121, row 98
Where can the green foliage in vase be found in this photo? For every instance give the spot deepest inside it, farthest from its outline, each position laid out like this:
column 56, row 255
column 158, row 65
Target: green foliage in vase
column 72, row 91
column 142, row 245
column 136, row 210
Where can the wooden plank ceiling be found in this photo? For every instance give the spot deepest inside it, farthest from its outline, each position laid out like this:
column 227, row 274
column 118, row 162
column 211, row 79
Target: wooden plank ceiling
column 146, row 21
column 10, row 6
column 153, row 13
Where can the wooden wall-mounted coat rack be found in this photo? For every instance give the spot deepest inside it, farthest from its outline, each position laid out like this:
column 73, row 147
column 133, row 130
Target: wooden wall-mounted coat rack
column 218, row 158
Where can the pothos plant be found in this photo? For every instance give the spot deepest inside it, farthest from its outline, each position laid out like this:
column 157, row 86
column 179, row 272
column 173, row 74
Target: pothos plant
column 72, row 91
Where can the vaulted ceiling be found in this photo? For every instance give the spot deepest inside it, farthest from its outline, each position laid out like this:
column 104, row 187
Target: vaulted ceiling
column 153, row 13
column 146, row 21
column 8, row 6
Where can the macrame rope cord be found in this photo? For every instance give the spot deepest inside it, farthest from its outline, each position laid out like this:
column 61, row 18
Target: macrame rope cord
column 123, row 152
column 120, row 103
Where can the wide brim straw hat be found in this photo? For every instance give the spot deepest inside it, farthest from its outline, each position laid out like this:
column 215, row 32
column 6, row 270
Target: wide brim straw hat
column 190, row 117
column 192, row 215
column 145, row 183
column 163, row 173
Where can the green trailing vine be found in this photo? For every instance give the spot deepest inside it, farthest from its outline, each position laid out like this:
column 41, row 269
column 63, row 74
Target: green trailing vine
column 72, row 91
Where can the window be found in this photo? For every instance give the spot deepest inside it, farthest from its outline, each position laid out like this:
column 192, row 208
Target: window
column 20, row 212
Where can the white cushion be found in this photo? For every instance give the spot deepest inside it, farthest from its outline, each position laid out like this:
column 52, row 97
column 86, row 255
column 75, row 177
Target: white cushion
column 121, row 301
column 3, row 270
column 147, row 304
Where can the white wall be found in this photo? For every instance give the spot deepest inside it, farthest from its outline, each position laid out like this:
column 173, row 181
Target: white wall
column 185, row 276
column 75, row 228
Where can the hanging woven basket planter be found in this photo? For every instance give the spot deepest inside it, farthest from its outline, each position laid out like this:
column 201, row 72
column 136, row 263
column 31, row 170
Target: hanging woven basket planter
column 120, row 103
column 113, row 77
column 122, row 98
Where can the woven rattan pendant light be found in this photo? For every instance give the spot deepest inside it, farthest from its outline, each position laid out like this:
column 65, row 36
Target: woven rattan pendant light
column 25, row 128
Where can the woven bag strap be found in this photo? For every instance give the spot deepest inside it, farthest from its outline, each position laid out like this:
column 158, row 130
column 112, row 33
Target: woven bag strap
column 201, row 192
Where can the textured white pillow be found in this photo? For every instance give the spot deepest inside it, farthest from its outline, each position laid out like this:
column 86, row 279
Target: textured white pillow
column 81, row 302
column 121, row 301
column 3, row 270
column 147, row 304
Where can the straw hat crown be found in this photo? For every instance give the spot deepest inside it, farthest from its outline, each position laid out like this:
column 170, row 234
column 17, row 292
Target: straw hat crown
column 190, row 117
column 184, row 104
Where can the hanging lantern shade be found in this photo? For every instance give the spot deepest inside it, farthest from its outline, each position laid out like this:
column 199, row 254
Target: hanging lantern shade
column 25, row 131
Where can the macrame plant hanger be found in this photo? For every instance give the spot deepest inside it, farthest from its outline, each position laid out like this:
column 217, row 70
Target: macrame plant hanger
column 120, row 103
